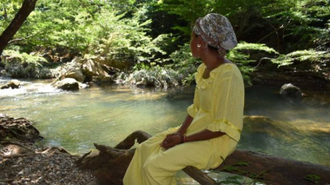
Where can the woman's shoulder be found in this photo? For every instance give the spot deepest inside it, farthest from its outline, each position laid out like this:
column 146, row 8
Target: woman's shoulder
column 201, row 67
column 228, row 71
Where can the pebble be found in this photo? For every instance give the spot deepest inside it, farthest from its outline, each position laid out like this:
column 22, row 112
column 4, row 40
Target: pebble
column 43, row 169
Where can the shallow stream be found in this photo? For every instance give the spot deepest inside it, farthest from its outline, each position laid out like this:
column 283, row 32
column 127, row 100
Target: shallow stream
column 107, row 114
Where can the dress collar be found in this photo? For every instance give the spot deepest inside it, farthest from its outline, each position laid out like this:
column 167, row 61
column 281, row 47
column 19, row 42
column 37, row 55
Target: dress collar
column 214, row 72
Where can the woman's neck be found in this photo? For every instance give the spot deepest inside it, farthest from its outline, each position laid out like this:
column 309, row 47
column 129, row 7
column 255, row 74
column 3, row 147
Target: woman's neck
column 213, row 61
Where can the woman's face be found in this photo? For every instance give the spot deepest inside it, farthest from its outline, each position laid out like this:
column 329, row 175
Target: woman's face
column 195, row 51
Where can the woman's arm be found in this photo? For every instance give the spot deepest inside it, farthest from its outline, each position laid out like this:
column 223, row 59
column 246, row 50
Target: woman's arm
column 177, row 137
column 185, row 124
column 203, row 135
column 174, row 139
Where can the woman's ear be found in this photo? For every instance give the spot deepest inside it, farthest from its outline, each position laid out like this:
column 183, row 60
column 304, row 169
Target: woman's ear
column 203, row 44
column 199, row 39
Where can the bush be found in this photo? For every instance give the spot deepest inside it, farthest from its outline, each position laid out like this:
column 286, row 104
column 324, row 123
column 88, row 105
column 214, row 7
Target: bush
column 23, row 65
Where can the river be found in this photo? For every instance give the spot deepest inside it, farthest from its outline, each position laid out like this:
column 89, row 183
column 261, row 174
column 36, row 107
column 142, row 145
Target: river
column 106, row 114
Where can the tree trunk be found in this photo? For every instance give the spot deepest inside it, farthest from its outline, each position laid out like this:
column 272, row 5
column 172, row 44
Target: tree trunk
column 109, row 166
column 27, row 7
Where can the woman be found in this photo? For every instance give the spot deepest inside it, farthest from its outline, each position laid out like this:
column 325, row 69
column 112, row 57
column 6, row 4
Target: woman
column 214, row 122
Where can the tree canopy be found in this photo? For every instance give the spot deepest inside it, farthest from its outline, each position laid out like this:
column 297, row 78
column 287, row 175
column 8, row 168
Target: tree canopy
column 146, row 33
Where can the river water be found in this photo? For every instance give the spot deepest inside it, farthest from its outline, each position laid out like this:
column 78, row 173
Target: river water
column 106, row 114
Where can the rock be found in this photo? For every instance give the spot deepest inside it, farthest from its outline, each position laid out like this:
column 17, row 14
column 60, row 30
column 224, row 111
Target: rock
column 118, row 64
column 13, row 84
column 67, row 84
column 71, row 70
column 91, row 68
column 77, row 75
column 15, row 150
column 22, row 162
column 86, row 69
column 19, row 129
column 291, row 91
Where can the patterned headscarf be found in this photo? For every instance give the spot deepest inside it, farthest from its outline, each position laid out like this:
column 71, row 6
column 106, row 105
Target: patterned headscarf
column 216, row 31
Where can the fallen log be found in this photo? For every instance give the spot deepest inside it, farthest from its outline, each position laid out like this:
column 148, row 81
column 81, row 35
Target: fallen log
column 109, row 165
column 275, row 170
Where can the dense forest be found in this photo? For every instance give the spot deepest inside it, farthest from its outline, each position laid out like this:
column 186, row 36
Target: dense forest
column 149, row 39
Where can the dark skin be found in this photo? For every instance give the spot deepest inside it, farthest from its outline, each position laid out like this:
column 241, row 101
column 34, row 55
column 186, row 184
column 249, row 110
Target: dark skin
column 212, row 60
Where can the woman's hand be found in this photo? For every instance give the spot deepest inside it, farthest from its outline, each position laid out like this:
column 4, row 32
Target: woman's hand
column 171, row 140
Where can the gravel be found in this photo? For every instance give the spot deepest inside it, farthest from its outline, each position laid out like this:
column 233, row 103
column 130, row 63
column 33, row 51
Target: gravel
column 44, row 166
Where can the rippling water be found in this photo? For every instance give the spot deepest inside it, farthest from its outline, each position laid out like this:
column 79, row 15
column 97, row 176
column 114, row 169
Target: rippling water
column 107, row 114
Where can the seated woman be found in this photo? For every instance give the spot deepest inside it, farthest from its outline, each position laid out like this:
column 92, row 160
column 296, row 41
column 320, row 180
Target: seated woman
column 214, row 122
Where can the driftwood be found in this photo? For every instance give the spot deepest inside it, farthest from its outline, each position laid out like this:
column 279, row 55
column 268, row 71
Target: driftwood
column 109, row 165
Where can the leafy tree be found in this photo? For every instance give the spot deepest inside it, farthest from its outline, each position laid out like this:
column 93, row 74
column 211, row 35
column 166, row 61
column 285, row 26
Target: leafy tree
column 16, row 23
column 92, row 28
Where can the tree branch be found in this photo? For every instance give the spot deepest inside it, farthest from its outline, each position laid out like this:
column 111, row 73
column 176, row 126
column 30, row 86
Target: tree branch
column 27, row 7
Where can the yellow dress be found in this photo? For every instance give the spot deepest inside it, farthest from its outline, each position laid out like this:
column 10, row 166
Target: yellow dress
column 218, row 106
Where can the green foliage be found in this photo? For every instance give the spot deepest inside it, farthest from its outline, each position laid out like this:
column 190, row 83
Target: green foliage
column 24, row 57
column 138, row 32
column 302, row 56
column 8, row 9
column 188, row 10
column 233, row 180
column 23, row 65
column 255, row 47
column 288, row 24
column 313, row 178
column 303, row 23
column 154, row 77
column 184, row 64
column 91, row 27
column 241, row 56
column 120, row 38
column 238, row 179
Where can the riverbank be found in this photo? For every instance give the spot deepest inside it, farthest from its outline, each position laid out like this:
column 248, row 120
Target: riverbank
column 24, row 162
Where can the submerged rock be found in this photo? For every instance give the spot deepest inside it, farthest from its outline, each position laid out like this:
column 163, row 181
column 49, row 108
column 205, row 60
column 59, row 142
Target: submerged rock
column 13, row 84
column 291, row 91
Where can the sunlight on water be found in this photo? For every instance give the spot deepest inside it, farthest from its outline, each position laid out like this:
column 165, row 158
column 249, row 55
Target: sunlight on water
column 107, row 114
column 76, row 120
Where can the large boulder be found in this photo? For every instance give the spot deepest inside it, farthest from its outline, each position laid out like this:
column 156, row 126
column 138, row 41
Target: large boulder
column 67, row 84
column 76, row 74
column 70, row 70
column 291, row 91
column 118, row 64
column 86, row 69
column 13, row 84
column 91, row 68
